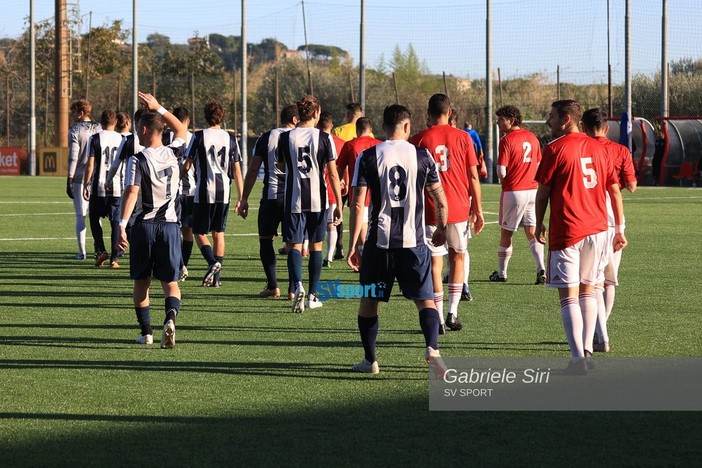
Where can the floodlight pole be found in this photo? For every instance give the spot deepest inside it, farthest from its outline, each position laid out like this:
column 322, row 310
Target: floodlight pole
column 244, row 76
column 362, row 58
column 135, row 62
column 32, row 93
column 488, row 94
column 664, row 61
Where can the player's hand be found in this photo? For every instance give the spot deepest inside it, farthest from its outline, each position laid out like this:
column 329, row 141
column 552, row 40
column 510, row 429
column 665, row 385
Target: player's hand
column 619, row 241
column 338, row 215
column 108, row 188
column 149, row 101
column 242, row 208
column 439, row 237
column 353, row 259
column 478, row 222
column 344, row 188
column 69, row 187
column 541, row 234
column 236, row 207
column 86, row 193
column 482, row 172
column 122, row 243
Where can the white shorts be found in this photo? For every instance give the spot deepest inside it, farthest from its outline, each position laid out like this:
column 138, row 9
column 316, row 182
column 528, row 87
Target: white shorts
column 517, row 208
column 611, row 271
column 80, row 205
column 456, row 239
column 583, row 263
column 365, row 214
column 330, row 212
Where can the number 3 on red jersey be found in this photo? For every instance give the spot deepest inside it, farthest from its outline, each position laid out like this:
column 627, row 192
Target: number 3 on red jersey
column 441, row 154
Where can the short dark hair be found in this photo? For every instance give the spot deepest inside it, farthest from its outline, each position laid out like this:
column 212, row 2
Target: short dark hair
column 510, row 112
column 122, row 122
column 288, row 114
column 214, row 113
column 108, row 117
column 137, row 115
column 594, row 119
column 306, row 107
column 153, row 121
column 568, row 107
column 394, row 114
column 181, row 113
column 363, row 125
column 325, row 120
column 353, row 107
column 439, row 104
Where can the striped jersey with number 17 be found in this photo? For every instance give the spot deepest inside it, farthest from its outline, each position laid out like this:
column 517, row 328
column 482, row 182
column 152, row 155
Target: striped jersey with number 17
column 157, row 174
column 306, row 151
column 214, row 152
column 396, row 173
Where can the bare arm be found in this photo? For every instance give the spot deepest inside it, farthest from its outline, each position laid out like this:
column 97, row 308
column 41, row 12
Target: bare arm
column 179, row 130
column 477, row 203
column 631, row 186
column 436, row 192
column 355, row 224
column 129, row 198
column 542, row 196
column 86, row 177
column 239, row 184
column 336, row 188
column 615, row 196
column 249, row 181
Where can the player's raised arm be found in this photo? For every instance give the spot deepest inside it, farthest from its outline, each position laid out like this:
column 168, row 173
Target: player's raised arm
column 179, row 130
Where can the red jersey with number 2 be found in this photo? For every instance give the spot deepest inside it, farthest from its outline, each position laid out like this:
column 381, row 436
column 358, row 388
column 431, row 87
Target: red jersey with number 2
column 578, row 171
column 520, row 153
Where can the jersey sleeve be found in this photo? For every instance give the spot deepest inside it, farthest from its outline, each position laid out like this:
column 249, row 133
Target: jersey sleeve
column 330, row 150
column 261, row 146
column 359, row 173
column 502, row 158
column 73, row 150
column 343, row 161
column 94, row 146
column 192, row 149
column 133, row 176
column 429, row 166
column 234, row 152
column 628, row 173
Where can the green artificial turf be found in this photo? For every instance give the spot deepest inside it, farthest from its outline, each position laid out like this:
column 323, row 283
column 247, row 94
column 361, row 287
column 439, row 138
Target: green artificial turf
column 249, row 382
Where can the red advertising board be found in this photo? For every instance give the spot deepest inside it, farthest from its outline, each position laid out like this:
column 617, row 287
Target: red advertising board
column 11, row 160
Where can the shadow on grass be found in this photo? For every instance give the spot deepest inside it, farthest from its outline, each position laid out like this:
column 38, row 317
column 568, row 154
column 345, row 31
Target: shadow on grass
column 384, row 432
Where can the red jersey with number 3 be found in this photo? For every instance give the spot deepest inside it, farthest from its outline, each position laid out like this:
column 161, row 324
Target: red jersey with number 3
column 578, row 171
column 349, row 154
column 454, row 155
column 520, row 153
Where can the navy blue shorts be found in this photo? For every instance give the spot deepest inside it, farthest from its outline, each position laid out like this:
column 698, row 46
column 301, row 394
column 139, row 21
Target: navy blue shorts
column 410, row 266
column 208, row 217
column 185, row 210
column 296, row 225
column 155, row 251
column 270, row 215
column 104, row 207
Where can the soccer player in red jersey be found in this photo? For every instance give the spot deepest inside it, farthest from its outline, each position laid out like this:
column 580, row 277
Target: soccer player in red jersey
column 575, row 176
column 347, row 164
column 519, row 157
column 457, row 164
column 595, row 125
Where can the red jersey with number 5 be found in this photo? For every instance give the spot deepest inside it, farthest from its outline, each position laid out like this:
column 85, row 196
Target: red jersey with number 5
column 454, row 155
column 520, row 153
column 578, row 171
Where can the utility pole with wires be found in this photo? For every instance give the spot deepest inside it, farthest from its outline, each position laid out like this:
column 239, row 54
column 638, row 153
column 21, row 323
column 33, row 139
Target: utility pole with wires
column 307, row 52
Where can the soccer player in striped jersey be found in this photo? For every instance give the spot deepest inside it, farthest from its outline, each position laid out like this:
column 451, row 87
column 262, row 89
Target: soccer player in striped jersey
column 215, row 154
column 151, row 193
column 457, row 165
column 78, row 139
column 596, row 126
column 519, row 157
column 304, row 152
column 575, row 176
column 326, row 124
column 187, row 189
column 347, row 165
column 398, row 175
column 271, row 208
column 102, row 150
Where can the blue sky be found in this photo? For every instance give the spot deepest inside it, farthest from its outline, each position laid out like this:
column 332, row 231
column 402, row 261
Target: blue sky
column 528, row 36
